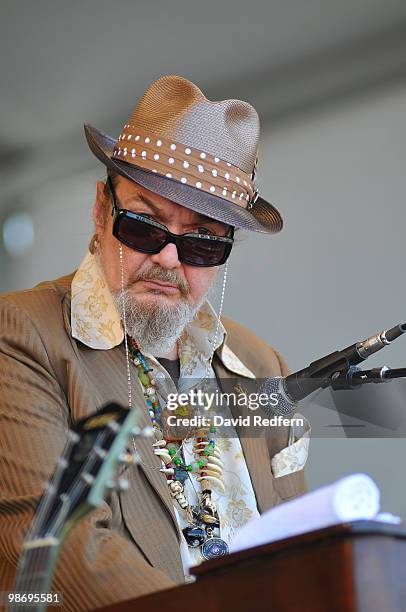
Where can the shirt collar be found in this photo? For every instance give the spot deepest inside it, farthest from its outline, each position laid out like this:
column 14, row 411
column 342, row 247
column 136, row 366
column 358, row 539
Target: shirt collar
column 96, row 322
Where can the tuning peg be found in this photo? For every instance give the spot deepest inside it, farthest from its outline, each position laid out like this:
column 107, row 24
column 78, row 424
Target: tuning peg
column 135, row 431
column 126, row 459
column 73, row 436
column 123, row 484
column 88, row 478
column 111, row 484
column 100, row 452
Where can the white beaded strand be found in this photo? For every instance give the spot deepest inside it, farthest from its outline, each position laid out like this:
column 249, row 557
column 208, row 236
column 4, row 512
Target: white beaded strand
column 123, row 314
column 223, row 290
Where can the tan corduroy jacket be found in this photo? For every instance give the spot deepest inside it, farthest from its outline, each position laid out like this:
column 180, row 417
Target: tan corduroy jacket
column 130, row 546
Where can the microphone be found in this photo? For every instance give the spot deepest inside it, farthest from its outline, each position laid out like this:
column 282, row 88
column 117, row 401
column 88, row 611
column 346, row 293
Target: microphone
column 355, row 378
column 321, row 373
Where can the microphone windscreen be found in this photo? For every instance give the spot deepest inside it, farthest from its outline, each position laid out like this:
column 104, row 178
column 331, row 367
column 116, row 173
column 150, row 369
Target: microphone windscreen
column 279, row 403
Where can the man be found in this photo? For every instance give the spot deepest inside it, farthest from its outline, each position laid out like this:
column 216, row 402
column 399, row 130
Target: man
column 180, row 181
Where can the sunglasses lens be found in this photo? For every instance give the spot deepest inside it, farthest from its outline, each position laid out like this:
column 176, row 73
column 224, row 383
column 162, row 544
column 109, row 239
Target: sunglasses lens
column 142, row 236
column 139, row 235
column 202, row 252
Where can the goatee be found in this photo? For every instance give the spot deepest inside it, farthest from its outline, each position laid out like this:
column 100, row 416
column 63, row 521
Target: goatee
column 156, row 323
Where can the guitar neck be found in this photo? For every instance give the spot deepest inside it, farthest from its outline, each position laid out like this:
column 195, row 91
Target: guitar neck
column 35, row 570
column 78, row 485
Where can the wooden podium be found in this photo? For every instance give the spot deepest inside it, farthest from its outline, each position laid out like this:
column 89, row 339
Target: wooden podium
column 356, row 567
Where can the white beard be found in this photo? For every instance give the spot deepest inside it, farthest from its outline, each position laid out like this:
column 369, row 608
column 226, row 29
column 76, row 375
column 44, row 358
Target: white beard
column 155, row 324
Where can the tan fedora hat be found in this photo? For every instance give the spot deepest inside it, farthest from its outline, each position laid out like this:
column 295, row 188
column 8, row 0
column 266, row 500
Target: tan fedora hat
column 198, row 153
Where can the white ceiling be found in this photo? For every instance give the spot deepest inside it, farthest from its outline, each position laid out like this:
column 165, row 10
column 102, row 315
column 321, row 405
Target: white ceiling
column 65, row 63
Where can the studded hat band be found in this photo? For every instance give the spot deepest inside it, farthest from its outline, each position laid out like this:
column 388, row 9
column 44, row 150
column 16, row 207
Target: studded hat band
column 185, row 164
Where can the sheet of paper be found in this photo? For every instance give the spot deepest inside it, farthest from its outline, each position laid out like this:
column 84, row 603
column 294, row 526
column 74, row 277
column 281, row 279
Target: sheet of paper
column 351, row 498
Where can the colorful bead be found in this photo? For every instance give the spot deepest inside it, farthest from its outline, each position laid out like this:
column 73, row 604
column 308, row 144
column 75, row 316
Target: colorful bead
column 181, row 475
column 144, row 379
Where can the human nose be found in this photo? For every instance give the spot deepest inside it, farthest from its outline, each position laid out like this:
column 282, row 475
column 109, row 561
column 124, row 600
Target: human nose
column 167, row 257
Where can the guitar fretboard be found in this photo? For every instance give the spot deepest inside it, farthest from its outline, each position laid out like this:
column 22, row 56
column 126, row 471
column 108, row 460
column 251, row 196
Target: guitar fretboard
column 35, row 569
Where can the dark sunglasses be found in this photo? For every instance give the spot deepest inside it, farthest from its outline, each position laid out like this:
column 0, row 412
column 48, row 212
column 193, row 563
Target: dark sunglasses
column 148, row 236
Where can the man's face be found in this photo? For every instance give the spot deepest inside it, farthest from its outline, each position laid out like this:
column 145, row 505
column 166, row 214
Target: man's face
column 171, row 281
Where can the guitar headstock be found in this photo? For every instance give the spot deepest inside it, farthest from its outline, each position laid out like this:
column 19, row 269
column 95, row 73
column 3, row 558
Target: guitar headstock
column 87, row 469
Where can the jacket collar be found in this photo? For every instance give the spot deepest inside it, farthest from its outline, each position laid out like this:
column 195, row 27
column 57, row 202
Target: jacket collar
column 96, row 322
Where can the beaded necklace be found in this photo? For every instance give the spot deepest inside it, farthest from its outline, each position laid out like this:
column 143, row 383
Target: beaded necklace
column 202, row 519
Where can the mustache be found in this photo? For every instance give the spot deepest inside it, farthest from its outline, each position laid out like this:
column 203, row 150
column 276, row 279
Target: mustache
column 165, row 276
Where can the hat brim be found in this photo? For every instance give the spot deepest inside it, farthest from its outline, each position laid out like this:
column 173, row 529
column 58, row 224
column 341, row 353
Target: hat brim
column 262, row 217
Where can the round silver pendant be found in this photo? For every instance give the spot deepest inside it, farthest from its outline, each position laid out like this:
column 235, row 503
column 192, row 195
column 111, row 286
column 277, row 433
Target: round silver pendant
column 213, row 548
